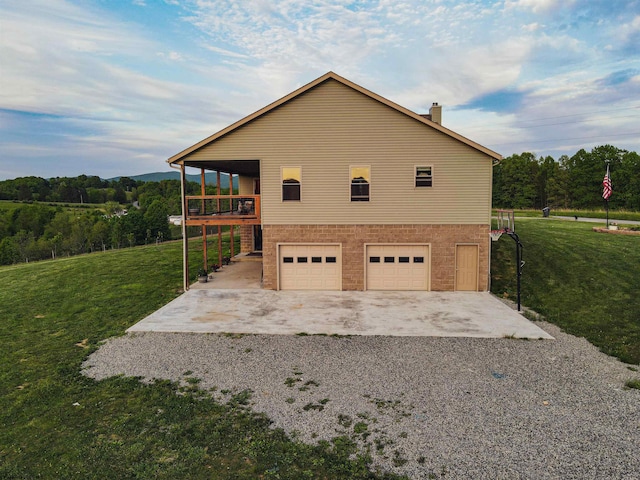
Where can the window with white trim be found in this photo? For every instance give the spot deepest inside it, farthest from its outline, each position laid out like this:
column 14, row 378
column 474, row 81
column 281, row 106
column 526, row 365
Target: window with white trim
column 424, row 176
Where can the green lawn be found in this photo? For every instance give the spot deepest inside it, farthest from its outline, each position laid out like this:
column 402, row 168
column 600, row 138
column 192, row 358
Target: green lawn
column 616, row 214
column 587, row 283
column 55, row 423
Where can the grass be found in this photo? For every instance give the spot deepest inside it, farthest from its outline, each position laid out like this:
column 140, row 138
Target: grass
column 56, row 423
column 633, row 384
column 585, row 282
column 11, row 205
column 616, row 214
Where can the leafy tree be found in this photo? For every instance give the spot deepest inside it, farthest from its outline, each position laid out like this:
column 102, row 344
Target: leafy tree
column 60, row 225
column 515, row 181
column 9, row 253
column 156, row 220
column 558, row 185
column 23, row 240
column 134, row 224
column 99, row 235
column 625, row 178
column 120, row 195
column 32, row 218
column 116, row 227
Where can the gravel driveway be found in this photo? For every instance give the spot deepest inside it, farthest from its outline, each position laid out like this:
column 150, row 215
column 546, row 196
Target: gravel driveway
column 428, row 407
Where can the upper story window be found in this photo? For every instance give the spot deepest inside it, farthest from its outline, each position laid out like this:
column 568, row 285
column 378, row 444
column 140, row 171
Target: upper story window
column 424, row 177
column 291, row 179
column 360, row 183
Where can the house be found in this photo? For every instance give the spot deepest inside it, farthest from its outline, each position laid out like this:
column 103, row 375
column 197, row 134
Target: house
column 342, row 189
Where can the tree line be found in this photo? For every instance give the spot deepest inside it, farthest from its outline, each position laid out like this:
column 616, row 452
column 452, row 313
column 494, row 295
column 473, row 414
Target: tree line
column 37, row 231
column 36, row 228
column 523, row 181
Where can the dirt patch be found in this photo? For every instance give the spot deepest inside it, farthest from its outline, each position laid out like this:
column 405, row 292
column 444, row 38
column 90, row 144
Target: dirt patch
column 620, row 231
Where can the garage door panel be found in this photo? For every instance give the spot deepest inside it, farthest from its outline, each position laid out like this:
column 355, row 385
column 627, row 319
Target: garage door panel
column 397, row 267
column 310, row 267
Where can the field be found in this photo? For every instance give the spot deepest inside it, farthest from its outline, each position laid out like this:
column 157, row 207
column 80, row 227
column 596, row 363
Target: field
column 55, row 423
column 585, row 282
column 10, row 206
column 617, row 214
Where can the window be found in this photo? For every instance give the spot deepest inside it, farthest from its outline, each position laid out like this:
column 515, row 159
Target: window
column 424, row 177
column 330, row 259
column 291, row 177
column 389, row 259
column 374, row 259
column 316, row 259
column 360, row 179
column 287, row 260
column 403, row 259
column 418, row 259
column 302, row 259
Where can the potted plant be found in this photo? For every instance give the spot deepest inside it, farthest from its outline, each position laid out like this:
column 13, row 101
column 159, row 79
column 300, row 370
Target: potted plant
column 203, row 276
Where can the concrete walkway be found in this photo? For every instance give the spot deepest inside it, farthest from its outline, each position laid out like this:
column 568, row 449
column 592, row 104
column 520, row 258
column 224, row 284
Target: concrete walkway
column 438, row 314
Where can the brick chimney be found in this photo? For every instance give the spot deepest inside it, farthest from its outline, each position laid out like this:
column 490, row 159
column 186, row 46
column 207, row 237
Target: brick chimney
column 435, row 112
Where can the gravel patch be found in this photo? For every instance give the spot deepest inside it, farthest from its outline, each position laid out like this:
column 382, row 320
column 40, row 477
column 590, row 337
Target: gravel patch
column 425, row 407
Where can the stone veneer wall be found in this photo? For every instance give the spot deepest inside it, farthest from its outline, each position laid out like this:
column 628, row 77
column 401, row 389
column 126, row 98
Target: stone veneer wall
column 443, row 240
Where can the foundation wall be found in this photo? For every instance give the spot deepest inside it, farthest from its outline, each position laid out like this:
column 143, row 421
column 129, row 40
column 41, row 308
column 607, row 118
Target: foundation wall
column 442, row 238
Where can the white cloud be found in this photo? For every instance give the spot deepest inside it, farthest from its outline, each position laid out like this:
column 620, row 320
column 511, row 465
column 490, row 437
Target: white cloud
column 538, row 6
column 628, row 29
column 532, row 27
column 142, row 91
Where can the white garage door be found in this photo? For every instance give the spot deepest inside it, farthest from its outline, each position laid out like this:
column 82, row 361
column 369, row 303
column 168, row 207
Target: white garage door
column 310, row 267
column 397, row 267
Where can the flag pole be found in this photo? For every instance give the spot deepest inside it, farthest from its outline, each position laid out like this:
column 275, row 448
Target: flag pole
column 606, row 191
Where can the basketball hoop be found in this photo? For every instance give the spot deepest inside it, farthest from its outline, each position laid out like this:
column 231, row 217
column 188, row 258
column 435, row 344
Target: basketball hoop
column 496, row 234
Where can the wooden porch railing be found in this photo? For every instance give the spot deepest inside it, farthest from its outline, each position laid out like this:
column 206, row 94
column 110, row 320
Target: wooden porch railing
column 222, row 209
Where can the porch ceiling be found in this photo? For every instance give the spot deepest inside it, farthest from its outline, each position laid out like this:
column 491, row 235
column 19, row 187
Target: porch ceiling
column 249, row 168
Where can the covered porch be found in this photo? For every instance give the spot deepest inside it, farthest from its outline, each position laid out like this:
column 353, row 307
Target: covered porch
column 236, row 207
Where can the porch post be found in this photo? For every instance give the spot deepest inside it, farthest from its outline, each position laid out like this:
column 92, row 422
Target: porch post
column 185, row 239
column 203, row 192
column 231, row 252
column 220, row 226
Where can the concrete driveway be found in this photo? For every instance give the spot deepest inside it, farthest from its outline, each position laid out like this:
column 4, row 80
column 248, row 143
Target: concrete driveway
column 437, row 314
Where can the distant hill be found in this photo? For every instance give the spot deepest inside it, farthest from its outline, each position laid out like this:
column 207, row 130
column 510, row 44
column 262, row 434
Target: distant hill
column 210, row 178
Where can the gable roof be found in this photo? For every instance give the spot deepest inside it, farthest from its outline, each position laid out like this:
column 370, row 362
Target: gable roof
column 331, row 76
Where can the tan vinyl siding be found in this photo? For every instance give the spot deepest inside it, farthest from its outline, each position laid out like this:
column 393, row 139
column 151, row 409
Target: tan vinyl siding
column 329, row 128
column 245, row 185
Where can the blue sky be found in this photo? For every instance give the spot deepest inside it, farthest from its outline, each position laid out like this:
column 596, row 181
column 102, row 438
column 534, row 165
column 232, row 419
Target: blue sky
column 115, row 87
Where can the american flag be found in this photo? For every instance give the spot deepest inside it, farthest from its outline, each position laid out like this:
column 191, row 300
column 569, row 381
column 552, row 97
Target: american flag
column 606, row 185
